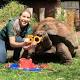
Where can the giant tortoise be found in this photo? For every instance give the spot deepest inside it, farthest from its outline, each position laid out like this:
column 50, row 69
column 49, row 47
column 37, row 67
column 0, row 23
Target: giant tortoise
column 58, row 39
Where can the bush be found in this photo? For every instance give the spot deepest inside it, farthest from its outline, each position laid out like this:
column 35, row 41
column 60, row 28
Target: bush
column 10, row 10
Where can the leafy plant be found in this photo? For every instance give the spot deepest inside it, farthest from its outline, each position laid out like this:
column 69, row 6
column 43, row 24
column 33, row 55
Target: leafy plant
column 10, row 10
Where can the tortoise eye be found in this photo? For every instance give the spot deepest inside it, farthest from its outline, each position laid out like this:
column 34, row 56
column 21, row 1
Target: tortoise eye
column 45, row 27
column 39, row 35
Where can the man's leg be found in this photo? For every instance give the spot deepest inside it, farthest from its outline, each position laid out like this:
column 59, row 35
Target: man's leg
column 3, row 54
column 17, row 51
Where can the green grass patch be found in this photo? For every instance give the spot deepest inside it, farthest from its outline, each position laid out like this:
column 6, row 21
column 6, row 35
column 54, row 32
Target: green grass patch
column 55, row 72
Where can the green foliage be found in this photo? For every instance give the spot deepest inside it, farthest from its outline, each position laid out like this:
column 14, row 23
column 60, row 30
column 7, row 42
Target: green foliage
column 10, row 10
column 60, row 14
column 33, row 21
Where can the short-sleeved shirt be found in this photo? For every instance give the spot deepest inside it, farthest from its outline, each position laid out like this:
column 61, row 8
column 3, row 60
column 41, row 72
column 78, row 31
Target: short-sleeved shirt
column 12, row 28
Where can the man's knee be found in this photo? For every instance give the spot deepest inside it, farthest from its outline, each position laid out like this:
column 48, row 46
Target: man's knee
column 3, row 57
column 19, row 39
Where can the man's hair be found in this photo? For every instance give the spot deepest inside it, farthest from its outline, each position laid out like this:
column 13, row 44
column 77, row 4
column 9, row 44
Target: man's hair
column 25, row 10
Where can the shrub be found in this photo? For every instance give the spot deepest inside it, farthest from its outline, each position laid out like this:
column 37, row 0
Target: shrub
column 10, row 10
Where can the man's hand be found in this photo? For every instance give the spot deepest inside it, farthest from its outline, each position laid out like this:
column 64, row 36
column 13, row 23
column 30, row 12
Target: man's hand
column 31, row 41
column 29, row 44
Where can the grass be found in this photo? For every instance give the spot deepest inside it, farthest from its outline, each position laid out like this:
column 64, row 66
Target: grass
column 56, row 71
